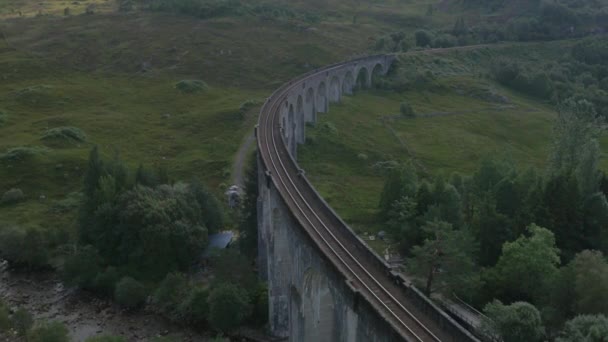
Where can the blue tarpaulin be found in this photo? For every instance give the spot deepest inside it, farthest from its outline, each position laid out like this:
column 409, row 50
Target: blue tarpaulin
column 218, row 241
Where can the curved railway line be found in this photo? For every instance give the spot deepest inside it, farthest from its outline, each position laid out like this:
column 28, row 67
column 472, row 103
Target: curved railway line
column 374, row 285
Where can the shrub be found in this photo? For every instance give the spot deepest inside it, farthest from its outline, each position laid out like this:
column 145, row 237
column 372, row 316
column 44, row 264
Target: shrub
column 105, row 282
column 49, row 332
column 247, row 105
column 24, row 247
column 12, row 196
column 195, row 308
column 22, row 320
column 81, row 268
column 406, row 110
column 106, row 338
column 228, row 307
column 68, row 135
column 22, row 153
column 191, row 86
column 170, row 293
column 129, row 293
column 423, row 38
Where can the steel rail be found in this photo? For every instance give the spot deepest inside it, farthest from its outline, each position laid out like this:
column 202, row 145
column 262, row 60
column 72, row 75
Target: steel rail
column 270, row 128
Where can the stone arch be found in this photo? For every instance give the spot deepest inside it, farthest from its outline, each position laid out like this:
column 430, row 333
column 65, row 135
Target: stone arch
column 322, row 98
column 309, row 106
column 348, row 84
column 318, row 307
column 362, row 80
column 377, row 73
column 334, row 89
column 300, row 124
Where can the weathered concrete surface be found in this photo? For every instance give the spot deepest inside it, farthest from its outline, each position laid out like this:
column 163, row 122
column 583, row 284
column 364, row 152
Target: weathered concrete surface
column 309, row 300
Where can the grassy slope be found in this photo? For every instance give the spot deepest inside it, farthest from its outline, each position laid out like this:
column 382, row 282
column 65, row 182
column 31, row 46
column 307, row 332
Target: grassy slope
column 85, row 71
column 458, row 124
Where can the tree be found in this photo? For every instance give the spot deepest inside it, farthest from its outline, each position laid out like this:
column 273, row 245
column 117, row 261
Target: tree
column 228, row 307
column 211, row 209
column 230, row 266
column 170, row 293
column 81, row 268
column 401, row 182
column 459, row 27
column 444, row 260
column 577, row 129
column 406, row 110
column 590, row 281
column 49, row 332
column 517, row 322
column 248, row 225
column 528, row 265
column 423, row 38
column 195, row 307
column 129, row 293
column 585, row 328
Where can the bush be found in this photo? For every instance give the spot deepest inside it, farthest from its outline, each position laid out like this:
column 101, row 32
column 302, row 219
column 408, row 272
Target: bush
column 228, row 307
column 49, row 332
column 423, row 38
column 22, row 153
column 12, row 196
column 67, row 135
column 105, row 282
column 247, row 105
column 81, row 268
column 129, row 293
column 170, row 293
column 195, row 308
column 191, row 86
column 106, row 338
column 24, row 247
column 406, row 110
column 22, row 321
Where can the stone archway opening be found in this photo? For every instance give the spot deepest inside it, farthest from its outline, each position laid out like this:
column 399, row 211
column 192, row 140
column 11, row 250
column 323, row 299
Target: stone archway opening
column 362, row 79
column 348, row 84
column 377, row 74
column 322, row 98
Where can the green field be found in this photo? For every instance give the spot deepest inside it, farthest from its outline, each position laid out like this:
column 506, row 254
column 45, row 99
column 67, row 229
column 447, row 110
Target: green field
column 462, row 117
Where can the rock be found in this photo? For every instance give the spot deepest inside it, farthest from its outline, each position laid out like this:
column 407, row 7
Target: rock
column 12, row 196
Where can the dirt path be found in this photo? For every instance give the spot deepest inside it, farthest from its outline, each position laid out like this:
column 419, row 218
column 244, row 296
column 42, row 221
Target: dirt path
column 238, row 168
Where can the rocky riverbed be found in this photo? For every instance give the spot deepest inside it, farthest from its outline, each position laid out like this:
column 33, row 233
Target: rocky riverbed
column 85, row 315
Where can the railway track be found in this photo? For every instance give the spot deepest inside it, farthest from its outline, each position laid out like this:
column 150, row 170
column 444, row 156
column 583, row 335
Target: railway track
column 374, row 284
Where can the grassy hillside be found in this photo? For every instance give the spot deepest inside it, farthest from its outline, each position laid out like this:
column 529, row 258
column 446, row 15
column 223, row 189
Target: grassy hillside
column 113, row 77
column 462, row 117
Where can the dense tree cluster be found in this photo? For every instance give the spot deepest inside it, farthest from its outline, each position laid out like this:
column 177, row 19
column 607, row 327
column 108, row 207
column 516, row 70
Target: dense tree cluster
column 583, row 74
column 511, row 235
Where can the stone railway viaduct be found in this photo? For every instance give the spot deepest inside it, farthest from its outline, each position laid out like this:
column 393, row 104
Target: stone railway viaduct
column 324, row 283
